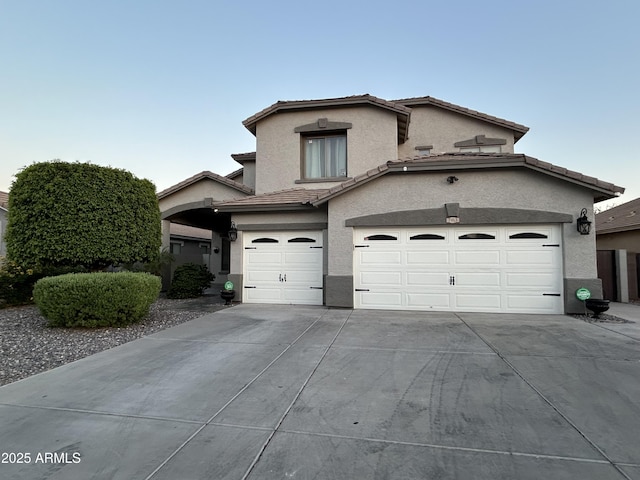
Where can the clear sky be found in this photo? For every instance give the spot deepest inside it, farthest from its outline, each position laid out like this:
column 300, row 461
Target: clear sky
column 161, row 87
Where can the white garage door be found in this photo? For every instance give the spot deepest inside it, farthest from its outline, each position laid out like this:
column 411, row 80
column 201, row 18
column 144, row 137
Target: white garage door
column 283, row 267
column 477, row 269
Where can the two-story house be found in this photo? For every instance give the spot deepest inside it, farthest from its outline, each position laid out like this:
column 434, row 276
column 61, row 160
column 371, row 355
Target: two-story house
column 406, row 204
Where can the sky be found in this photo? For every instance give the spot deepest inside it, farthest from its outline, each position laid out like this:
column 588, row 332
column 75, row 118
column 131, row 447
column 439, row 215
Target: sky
column 160, row 88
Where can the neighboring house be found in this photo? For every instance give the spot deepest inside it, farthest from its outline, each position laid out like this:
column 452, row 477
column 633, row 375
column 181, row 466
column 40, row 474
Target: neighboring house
column 192, row 245
column 406, row 204
column 4, row 206
column 618, row 244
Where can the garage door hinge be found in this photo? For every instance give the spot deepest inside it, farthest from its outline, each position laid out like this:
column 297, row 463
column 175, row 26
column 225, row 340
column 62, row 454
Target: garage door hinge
column 316, row 288
column 361, row 246
column 315, row 247
column 551, row 294
column 250, row 248
column 362, row 289
column 247, row 286
column 551, row 245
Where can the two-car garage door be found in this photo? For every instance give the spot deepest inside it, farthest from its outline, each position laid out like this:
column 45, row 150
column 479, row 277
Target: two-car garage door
column 477, row 269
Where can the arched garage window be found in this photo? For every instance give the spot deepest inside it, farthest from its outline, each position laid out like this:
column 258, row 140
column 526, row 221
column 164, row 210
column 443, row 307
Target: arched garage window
column 302, row 240
column 427, row 236
column 381, row 237
column 477, row 236
column 265, row 240
column 527, row 235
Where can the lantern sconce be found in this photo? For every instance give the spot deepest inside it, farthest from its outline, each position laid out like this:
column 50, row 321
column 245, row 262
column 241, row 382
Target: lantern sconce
column 233, row 232
column 583, row 223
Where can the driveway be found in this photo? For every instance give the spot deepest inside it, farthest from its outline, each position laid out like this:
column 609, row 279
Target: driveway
column 277, row 392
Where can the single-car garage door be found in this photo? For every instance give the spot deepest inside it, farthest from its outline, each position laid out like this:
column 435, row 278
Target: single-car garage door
column 283, row 267
column 477, row 269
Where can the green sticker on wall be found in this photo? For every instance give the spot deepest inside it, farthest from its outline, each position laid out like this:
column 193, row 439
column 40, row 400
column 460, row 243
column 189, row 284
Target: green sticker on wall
column 228, row 286
column 583, row 294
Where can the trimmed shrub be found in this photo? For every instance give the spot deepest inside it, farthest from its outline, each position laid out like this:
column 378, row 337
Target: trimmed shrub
column 189, row 281
column 68, row 214
column 96, row 299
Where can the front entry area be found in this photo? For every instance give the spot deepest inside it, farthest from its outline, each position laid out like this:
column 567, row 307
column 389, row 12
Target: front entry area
column 468, row 269
column 283, row 267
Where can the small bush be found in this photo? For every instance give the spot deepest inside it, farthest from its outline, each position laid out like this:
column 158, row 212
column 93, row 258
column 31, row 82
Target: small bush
column 189, row 281
column 16, row 281
column 96, row 299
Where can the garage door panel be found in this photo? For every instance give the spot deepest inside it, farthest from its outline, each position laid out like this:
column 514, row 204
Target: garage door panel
column 531, row 257
column 254, row 276
column 477, row 279
column 427, row 279
column 528, row 303
column 381, row 278
column 381, row 258
column 429, row 300
column 263, row 295
column 477, row 257
column 386, row 300
column 478, row 301
column 308, row 257
column 437, row 257
column 531, row 279
column 264, row 258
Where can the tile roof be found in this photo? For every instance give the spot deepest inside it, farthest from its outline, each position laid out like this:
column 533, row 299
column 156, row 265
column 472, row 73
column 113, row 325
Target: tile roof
column 202, row 175
column 462, row 161
column 401, row 111
column 4, row 200
column 189, row 231
column 620, row 218
column 292, row 198
column 519, row 130
column 235, row 174
column 244, row 157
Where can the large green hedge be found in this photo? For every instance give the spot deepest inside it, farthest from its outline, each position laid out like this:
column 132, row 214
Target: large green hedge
column 70, row 214
column 98, row 299
column 190, row 281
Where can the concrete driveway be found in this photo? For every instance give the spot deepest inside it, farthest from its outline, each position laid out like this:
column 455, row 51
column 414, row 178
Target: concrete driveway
column 277, row 392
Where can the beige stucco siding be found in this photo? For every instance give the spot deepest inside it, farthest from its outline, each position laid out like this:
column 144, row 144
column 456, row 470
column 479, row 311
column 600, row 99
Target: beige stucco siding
column 442, row 129
column 516, row 188
column 197, row 192
column 371, row 141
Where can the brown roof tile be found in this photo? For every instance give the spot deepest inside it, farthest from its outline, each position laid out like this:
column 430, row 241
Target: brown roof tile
column 619, row 219
column 294, row 197
column 402, row 111
column 459, row 161
column 203, row 175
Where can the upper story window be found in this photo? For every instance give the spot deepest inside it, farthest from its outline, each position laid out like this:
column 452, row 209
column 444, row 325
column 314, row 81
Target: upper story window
column 324, row 156
column 480, row 143
column 324, row 149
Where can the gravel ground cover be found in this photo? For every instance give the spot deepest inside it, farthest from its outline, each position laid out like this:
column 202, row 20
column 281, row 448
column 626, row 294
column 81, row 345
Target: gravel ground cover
column 28, row 346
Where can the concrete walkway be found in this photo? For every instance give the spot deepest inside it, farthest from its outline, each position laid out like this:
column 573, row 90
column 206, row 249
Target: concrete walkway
column 277, row 392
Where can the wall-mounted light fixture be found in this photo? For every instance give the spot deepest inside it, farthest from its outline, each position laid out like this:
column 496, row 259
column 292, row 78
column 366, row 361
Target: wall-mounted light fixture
column 233, row 232
column 452, row 179
column 583, row 223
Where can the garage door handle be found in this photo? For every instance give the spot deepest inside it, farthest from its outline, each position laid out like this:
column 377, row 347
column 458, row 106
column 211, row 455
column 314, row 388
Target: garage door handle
column 316, row 288
column 361, row 246
column 362, row 289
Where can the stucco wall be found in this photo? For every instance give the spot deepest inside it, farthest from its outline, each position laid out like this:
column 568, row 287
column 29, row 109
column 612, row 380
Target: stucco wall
column 442, row 129
column 371, row 141
column 197, row 192
column 248, row 177
column 516, row 188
